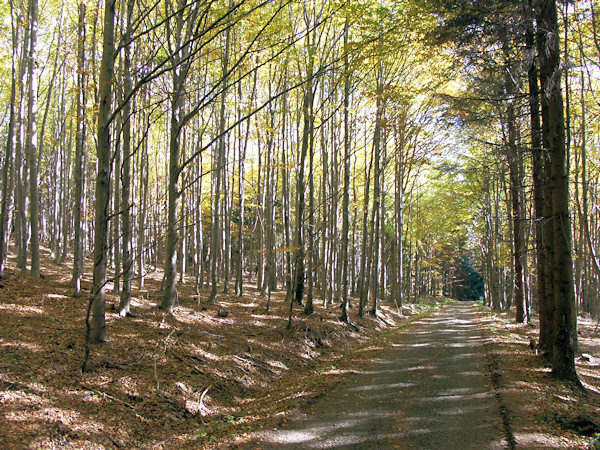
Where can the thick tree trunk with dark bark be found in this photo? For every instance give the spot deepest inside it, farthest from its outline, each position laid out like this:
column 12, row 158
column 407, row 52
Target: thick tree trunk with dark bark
column 563, row 364
column 539, row 183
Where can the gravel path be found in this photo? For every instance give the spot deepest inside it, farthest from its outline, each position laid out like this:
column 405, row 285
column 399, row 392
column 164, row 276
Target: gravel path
column 431, row 389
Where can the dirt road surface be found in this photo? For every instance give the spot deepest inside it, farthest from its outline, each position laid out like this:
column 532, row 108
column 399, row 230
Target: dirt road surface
column 431, row 389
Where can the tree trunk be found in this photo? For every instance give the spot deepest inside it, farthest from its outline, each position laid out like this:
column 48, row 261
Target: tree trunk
column 21, row 228
column 79, row 149
column 143, row 201
column 346, row 193
column 513, row 158
column 563, row 364
column 115, row 248
column 98, row 325
column 363, row 288
column 239, row 282
column 376, row 213
column 300, row 184
column 309, row 306
column 538, row 182
column 31, row 137
column 220, row 170
column 127, row 272
column 8, row 155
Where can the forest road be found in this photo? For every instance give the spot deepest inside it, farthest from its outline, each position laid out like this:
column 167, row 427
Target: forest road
column 432, row 389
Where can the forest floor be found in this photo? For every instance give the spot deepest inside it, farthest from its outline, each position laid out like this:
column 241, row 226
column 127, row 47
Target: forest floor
column 543, row 412
column 196, row 379
column 187, row 380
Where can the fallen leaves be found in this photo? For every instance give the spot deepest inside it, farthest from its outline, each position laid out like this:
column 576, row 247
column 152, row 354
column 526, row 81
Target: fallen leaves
column 159, row 380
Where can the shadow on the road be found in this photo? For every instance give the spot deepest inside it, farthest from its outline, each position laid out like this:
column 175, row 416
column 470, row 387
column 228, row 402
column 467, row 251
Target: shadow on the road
column 429, row 390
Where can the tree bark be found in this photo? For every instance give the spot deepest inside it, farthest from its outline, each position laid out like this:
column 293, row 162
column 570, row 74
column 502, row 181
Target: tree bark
column 301, row 183
column 563, row 364
column 346, row 193
column 538, row 179
column 8, row 155
column 513, row 159
column 127, row 272
column 31, row 139
column 220, row 170
column 79, row 149
column 376, row 212
column 98, row 324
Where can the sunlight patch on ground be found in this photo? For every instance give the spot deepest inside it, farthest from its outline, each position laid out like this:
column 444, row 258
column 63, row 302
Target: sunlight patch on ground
column 374, row 387
column 269, row 317
column 56, row 297
column 296, row 437
column 473, row 373
column 335, row 371
column 85, row 396
column 23, row 345
column 20, row 397
column 294, row 395
column 464, row 344
column 415, row 368
column 48, row 414
column 278, row 364
column 451, row 398
column 23, row 309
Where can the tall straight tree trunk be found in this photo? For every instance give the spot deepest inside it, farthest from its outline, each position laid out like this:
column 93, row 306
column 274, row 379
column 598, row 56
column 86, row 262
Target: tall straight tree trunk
column 538, row 179
column 326, row 242
column 363, row 288
column 399, row 231
column 8, row 156
column 334, row 270
column 199, row 238
column 309, row 306
column 98, row 324
column 226, row 229
column 21, row 227
column 301, row 183
column 285, row 192
column 563, row 364
column 376, row 213
column 79, row 149
column 31, row 137
column 115, row 248
column 270, row 272
column 382, row 238
column 220, row 170
column 513, row 158
column 179, row 53
column 547, row 312
column 259, row 223
column 239, row 282
column 346, row 193
column 170, row 289
column 143, row 201
column 127, row 272
column 66, row 199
